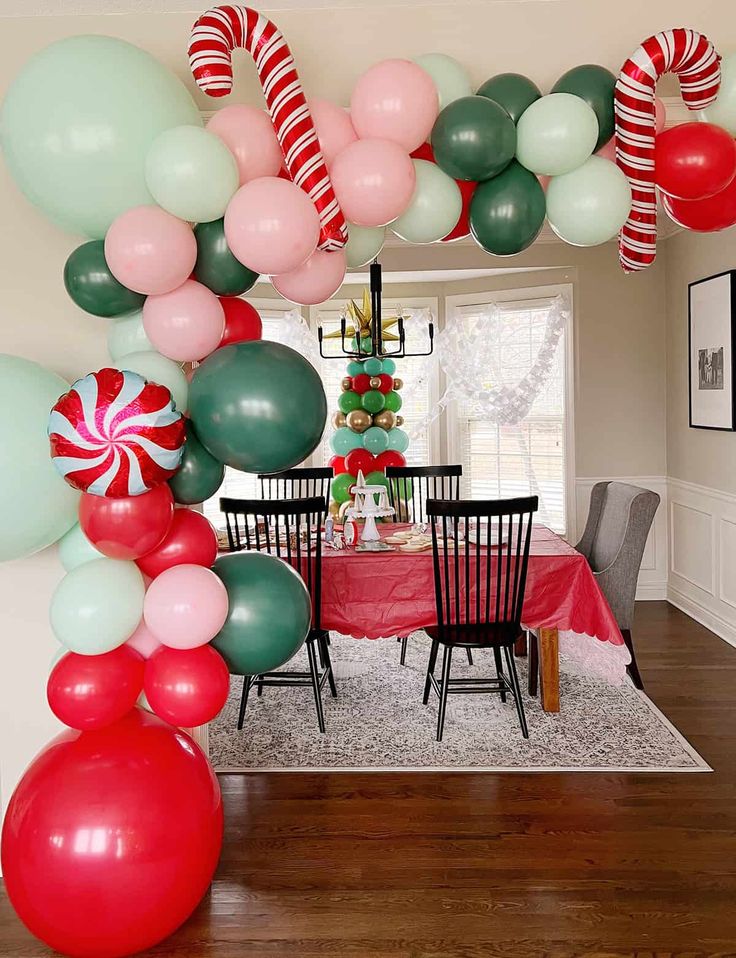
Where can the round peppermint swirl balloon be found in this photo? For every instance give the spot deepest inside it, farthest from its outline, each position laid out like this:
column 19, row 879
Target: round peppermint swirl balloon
column 114, row 434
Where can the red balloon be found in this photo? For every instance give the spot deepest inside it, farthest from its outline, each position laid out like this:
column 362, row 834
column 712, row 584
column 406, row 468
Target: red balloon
column 338, row 465
column 358, row 459
column 127, row 527
column 361, row 383
column 91, row 691
column 704, row 216
column 191, row 539
column 186, row 686
column 694, row 160
column 467, row 188
column 242, row 321
column 111, row 837
column 387, row 383
column 389, row 458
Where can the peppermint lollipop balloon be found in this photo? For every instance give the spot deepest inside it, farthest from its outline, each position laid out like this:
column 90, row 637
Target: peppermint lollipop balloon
column 115, row 434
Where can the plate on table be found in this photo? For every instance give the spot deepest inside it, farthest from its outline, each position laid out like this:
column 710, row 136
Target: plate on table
column 473, row 535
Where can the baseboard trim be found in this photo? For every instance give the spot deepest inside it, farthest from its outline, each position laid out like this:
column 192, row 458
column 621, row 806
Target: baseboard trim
column 705, row 616
column 651, row 592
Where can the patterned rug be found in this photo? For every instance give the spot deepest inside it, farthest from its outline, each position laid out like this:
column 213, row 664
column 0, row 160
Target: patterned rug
column 378, row 722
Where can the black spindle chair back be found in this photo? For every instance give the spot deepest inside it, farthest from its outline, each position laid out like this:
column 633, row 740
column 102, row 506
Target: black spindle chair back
column 300, row 483
column 410, row 487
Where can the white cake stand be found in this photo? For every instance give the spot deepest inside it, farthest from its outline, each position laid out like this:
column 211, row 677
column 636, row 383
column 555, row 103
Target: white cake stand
column 371, row 503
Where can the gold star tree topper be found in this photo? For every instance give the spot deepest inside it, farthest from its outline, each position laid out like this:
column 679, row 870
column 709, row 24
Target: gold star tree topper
column 362, row 322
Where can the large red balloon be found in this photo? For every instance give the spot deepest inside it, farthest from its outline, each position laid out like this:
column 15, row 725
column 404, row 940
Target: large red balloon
column 704, row 216
column 242, row 321
column 130, row 526
column 191, row 539
column 467, row 188
column 389, row 458
column 694, row 160
column 186, row 686
column 92, row 691
column 111, row 837
column 359, row 459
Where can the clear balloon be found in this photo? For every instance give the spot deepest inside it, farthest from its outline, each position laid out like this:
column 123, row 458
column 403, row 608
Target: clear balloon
column 185, row 606
column 249, row 135
column 374, row 181
column 314, row 281
column 185, row 324
column 150, row 251
column 589, row 205
column 92, row 691
column 364, row 244
column 434, row 209
column 723, row 111
column 556, row 134
column 158, row 369
column 75, row 549
column 450, row 77
column 334, row 128
column 395, row 100
column 126, row 335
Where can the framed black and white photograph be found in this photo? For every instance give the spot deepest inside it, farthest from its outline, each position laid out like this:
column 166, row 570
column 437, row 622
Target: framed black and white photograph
column 711, row 336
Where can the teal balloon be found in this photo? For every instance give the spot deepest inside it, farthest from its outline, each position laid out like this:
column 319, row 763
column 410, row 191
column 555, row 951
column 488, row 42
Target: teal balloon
column 450, row 77
column 473, row 139
column 97, row 606
column 398, row 440
column 434, row 209
column 92, row 286
column 365, row 344
column 77, row 123
column 513, row 91
column 344, row 440
column 216, row 267
column 126, row 335
column 556, row 134
column 372, row 366
column 199, row 475
column 158, row 369
column 364, row 244
column 258, row 406
column 507, row 213
column 75, row 549
column 355, row 367
column 589, row 205
column 36, row 506
column 596, row 85
column 269, row 613
column 389, row 367
column 375, row 440
column 348, row 400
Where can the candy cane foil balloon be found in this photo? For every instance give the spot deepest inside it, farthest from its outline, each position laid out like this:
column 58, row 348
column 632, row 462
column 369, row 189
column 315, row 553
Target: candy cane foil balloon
column 214, row 36
column 693, row 58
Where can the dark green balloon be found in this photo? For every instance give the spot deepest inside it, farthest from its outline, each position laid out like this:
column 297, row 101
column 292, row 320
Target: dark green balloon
column 199, row 476
column 257, row 406
column 507, row 212
column 473, row 138
column 594, row 84
column 269, row 614
column 393, row 401
column 216, row 267
column 92, row 286
column 513, row 91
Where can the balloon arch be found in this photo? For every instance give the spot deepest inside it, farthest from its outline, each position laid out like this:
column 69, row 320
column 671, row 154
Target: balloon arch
column 113, row 833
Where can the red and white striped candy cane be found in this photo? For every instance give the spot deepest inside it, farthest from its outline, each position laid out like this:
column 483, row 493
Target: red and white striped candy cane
column 214, row 36
column 693, row 58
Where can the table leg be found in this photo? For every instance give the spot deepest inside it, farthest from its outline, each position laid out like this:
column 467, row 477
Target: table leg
column 549, row 669
column 520, row 647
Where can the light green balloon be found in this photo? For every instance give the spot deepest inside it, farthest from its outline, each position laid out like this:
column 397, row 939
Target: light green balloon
column 191, row 173
column 36, row 505
column 589, row 205
column 450, row 77
column 434, row 209
column 158, row 369
column 723, row 111
column 57, row 657
column 77, row 123
column 556, row 134
column 398, row 440
column 364, row 244
column 75, row 549
column 97, row 606
column 127, row 335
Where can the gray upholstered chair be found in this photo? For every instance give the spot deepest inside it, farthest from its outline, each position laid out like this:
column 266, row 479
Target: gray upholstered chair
column 619, row 520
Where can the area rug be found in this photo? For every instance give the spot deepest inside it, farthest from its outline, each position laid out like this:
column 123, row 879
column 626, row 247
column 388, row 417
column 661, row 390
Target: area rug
column 378, row 722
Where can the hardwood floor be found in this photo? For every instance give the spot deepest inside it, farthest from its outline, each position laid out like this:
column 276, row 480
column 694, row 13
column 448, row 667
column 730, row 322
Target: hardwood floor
column 469, row 866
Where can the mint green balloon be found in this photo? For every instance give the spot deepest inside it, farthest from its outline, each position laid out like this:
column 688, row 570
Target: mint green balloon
column 372, row 366
column 389, row 367
column 589, row 205
column 723, row 111
column 77, row 123
column 344, row 440
column 191, row 173
column 127, row 335
column 36, row 506
column 364, row 244
column 375, row 440
column 75, row 549
column 434, row 209
column 398, row 440
column 556, row 134
column 158, row 369
column 97, row 606
column 450, row 77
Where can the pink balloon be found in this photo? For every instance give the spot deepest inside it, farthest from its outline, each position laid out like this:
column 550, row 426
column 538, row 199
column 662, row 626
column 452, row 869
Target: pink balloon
column 543, row 181
column 660, row 115
column 143, row 641
column 395, row 100
column 314, row 281
column 608, row 150
column 249, row 135
column 334, row 128
column 374, row 181
column 149, row 250
column 271, row 225
column 185, row 324
column 185, row 606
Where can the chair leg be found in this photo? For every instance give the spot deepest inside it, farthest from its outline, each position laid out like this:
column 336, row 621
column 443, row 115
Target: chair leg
column 499, row 669
column 533, row 664
column 517, row 690
column 327, row 664
column 244, row 700
column 260, row 686
column 404, row 639
column 314, row 669
column 430, row 671
column 444, row 687
column 633, row 667
column 470, row 656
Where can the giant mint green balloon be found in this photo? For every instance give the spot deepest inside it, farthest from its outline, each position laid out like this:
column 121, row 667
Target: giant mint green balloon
column 36, row 506
column 723, row 111
column 473, row 138
column 216, row 267
column 594, row 84
column 75, row 549
column 364, row 244
column 507, row 212
column 450, row 77
column 513, row 91
column 158, row 369
column 77, row 123
column 92, row 286
column 126, row 335
column 589, row 205
column 556, row 134
column 435, row 206
column 199, row 475
column 269, row 612
column 258, row 406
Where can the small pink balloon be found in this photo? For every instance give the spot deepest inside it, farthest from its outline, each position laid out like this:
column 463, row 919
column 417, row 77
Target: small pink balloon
column 608, row 150
column 186, row 324
column 144, row 641
column 271, row 225
column 185, row 606
column 543, row 181
column 395, row 100
column 374, row 181
column 660, row 115
column 249, row 135
column 149, row 250
column 314, row 281
column 334, row 128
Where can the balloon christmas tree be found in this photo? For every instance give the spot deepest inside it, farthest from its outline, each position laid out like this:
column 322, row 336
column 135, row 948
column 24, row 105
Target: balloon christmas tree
column 367, row 435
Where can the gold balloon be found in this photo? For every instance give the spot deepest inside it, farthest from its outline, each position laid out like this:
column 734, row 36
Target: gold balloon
column 359, row 420
column 375, row 382
column 347, row 383
column 334, row 509
column 385, row 419
column 398, row 383
column 399, row 420
column 338, row 420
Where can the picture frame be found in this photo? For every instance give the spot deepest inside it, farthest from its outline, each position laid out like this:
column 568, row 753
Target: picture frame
column 712, row 352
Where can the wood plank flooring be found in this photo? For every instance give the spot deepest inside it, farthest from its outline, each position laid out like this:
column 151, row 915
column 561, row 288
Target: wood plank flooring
column 470, row 866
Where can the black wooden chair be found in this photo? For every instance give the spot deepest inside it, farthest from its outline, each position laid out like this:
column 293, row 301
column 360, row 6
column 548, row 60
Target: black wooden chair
column 480, row 570
column 299, row 483
column 286, row 528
